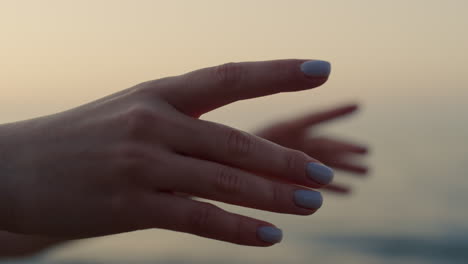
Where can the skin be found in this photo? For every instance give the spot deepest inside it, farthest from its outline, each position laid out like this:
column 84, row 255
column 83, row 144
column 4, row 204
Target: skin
column 115, row 164
column 296, row 133
column 17, row 245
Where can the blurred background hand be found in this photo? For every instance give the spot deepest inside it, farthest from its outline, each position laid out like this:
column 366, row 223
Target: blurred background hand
column 299, row 133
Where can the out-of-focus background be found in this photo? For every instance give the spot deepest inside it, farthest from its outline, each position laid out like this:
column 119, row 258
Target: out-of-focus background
column 405, row 61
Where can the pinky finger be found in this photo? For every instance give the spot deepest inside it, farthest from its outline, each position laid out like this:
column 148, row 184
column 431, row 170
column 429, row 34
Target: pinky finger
column 207, row 220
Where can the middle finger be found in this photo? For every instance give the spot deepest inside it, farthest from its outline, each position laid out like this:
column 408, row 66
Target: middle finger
column 219, row 182
column 238, row 149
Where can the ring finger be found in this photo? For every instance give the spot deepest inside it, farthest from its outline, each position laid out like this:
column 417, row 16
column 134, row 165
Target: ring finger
column 219, row 182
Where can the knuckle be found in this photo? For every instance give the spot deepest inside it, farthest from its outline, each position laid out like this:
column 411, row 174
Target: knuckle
column 294, row 161
column 284, row 75
column 201, row 217
column 277, row 196
column 152, row 87
column 227, row 181
column 229, row 74
column 135, row 121
column 239, row 142
column 285, row 71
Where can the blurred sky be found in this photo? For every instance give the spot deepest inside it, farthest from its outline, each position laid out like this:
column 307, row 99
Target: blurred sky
column 59, row 53
column 404, row 60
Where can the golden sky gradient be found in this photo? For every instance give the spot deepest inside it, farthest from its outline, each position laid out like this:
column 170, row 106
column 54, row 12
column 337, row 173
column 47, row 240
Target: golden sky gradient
column 398, row 57
column 56, row 54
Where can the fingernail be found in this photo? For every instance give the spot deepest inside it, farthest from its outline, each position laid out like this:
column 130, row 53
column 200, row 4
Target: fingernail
column 316, row 68
column 308, row 199
column 270, row 234
column 319, row 173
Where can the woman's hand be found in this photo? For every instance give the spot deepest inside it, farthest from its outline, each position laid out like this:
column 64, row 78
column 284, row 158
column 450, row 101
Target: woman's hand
column 112, row 165
column 296, row 134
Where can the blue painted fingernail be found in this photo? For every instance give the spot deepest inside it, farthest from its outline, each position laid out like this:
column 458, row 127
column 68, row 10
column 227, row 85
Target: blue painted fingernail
column 270, row 234
column 308, row 199
column 319, row 173
column 316, row 68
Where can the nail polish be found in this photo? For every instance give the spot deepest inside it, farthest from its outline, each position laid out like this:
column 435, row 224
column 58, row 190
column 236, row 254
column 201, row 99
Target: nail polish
column 308, row 199
column 316, row 68
column 270, row 234
column 319, row 173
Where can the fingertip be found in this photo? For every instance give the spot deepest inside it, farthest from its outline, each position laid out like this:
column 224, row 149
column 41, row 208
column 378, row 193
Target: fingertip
column 362, row 171
column 316, row 68
column 320, row 173
column 351, row 107
column 367, row 150
column 306, row 212
column 308, row 199
column 365, row 171
column 338, row 189
column 362, row 150
column 269, row 235
column 319, row 81
column 345, row 108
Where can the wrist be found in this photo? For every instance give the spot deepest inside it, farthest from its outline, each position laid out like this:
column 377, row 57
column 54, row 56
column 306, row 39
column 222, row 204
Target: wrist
column 7, row 218
column 18, row 245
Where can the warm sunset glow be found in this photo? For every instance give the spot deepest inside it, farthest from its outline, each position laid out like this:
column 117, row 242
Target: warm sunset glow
column 404, row 60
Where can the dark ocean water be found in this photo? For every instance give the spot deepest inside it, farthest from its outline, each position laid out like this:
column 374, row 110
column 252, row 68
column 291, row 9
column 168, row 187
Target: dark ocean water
column 382, row 249
column 402, row 249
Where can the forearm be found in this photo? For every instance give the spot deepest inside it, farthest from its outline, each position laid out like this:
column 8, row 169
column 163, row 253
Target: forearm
column 6, row 200
column 11, row 244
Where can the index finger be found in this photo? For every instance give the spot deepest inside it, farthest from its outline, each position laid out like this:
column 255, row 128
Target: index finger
column 203, row 90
